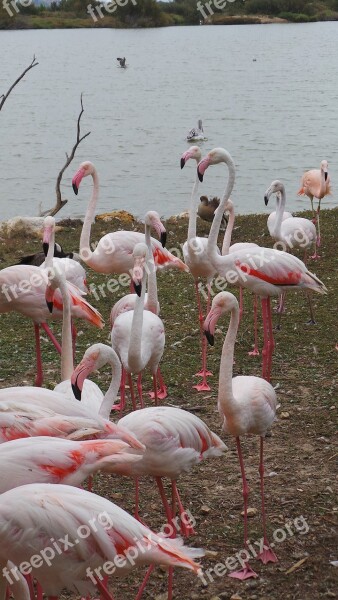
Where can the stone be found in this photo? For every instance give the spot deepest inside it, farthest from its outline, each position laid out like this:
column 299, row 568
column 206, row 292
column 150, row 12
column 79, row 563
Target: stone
column 205, row 509
column 252, row 512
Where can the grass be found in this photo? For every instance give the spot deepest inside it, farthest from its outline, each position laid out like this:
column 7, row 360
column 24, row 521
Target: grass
column 300, row 455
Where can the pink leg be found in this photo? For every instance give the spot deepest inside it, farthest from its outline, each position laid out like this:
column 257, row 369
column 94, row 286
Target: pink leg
column 39, row 591
column 105, row 595
column 255, row 351
column 312, row 320
column 246, row 572
column 132, row 394
column 139, row 389
column 51, row 337
column 186, row 527
column 280, row 309
column 265, row 335
column 30, row 584
column 267, row 555
column 39, row 373
column 203, row 372
column 162, row 392
column 144, row 582
column 271, row 343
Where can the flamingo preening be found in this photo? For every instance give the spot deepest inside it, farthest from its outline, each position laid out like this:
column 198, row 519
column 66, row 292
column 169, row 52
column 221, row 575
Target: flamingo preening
column 266, row 272
column 247, row 405
column 195, row 256
column 316, row 184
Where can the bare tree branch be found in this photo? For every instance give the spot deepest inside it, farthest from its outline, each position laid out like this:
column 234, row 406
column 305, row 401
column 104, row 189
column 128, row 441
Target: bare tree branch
column 4, row 97
column 59, row 202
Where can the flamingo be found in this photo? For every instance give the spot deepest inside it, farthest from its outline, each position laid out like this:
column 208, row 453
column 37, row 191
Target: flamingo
column 195, row 256
column 113, row 253
column 96, row 538
column 48, row 459
column 247, row 405
column 291, row 232
column 265, row 271
column 138, row 335
column 152, row 219
column 316, row 184
column 22, row 290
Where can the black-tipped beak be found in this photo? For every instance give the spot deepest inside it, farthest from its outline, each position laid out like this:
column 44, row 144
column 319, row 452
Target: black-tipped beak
column 50, row 306
column 210, row 337
column 325, row 175
column 266, row 200
column 138, row 288
column 45, row 247
column 75, row 189
column 182, row 162
column 76, row 391
column 200, row 175
column 163, row 238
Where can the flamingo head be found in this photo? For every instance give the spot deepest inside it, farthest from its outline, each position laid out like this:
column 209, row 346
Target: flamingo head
column 140, row 254
column 222, row 303
column 152, row 219
column 55, row 280
column 214, row 157
column 48, row 229
column 324, row 166
column 86, row 168
column 276, row 187
column 193, row 152
column 95, row 357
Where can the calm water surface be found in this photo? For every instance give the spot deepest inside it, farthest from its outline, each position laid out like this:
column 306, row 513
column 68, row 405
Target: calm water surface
column 277, row 115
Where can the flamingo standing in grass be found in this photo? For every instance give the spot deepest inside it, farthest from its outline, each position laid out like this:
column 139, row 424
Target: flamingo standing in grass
column 265, row 271
column 247, row 405
column 316, row 184
column 138, row 335
column 196, row 257
column 96, row 537
column 113, row 253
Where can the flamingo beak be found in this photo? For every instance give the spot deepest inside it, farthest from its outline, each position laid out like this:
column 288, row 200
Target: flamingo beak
column 163, row 238
column 137, row 288
column 137, row 275
column 210, row 337
column 47, row 234
column 210, row 325
column 325, row 175
column 266, row 199
column 49, row 298
column 77, row 180
column 83, row 369
column 202, row 167
column 182, row 162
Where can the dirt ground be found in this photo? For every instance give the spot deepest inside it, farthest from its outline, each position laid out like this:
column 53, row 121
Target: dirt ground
column 300, row 455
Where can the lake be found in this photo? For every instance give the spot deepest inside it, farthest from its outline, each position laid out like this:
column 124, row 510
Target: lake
column 267, row 93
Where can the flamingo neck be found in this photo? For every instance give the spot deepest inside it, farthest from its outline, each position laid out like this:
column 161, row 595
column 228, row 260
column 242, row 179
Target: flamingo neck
column 135, row 342
column 111, row 393
column 67, row 366
column 193, row 210
column 50, row 253
column 85, row 250
column 226, row 400
column 216, row 223
column 279, row 213
column 152, row 301
column 322, row 184
column 228, row 233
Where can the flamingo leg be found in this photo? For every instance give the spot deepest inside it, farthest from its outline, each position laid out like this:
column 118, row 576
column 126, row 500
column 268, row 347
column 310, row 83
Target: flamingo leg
column 51, row 336
column 30, row 584
column 139, row 389
column 312, row 320
column 186, row 527
column 144, row 582
column 162, row 392
column 39, row 373
column 271, row 341
column 318, row 225
column 122, row 403
column 280, row 309
column 132, row 393
column 246, row 572
column 267, row 555
column 255, row 351
column 39, row 591
column 204, row 371
column 265, row 343
column 105, row 595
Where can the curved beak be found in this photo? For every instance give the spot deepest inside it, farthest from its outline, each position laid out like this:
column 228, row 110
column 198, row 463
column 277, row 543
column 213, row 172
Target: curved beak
column 182, row 162
column 49, row 295
column 137, row 288
column 210, row 325
column 266, row 199
column 202, row 167
column 163, row 238
column 45, row 247
column 83, row 369
column 325, row 175
column 210, row 337
column 47, row 234
column 77, row 180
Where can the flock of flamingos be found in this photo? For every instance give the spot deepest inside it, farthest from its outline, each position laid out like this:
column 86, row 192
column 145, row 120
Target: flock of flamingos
column 54, row 535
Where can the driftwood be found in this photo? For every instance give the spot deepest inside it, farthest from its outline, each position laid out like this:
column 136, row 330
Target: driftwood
column 59, row 201
column 4, row 97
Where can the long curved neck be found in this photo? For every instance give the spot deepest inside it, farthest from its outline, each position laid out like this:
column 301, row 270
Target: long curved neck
column 279, row 212
column 85, row 250
column 152, row 281
column 50, row 253
column 135, row 343
column 67, row 366
column 225, row 395
column 228, row 232
column 111, row 393
column 216, row 223
column 193, row 210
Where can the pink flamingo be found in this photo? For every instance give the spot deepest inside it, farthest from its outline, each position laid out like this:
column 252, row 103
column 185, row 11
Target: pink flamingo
column 195, row 256
column 101, row 539
column 152, row 219
column 247, row 405
column 55, row 460
column 113, row 253
column 138, row 335
column 265, row 271
column 22, row 290
column 316, row 184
